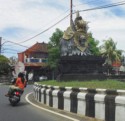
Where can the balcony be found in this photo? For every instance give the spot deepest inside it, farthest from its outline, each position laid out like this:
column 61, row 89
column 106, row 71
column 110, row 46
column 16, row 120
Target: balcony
column 36, row 62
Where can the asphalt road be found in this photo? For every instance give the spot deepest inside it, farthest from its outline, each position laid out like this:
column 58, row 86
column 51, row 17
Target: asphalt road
column 24, row 111
column 30, row 110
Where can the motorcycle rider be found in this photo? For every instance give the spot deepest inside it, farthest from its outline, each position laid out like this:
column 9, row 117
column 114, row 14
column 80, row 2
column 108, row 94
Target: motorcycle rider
column 20, row 84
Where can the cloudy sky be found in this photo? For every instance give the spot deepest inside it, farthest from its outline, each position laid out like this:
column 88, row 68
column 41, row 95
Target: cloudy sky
column 21, row 20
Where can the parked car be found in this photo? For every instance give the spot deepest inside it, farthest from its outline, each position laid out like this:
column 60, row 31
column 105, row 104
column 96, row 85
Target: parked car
column 42, row 78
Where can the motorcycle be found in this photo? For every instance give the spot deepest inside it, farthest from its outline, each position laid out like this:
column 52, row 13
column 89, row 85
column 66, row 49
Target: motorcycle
column 14, row 98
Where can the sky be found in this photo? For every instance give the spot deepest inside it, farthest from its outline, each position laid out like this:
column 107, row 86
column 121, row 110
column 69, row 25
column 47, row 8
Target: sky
column 21, row 20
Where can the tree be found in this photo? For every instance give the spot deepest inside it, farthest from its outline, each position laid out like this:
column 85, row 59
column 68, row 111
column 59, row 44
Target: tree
column 53, row 49
column 93, row 45
column 55, row 38
column 4, row 65
column 109, row 50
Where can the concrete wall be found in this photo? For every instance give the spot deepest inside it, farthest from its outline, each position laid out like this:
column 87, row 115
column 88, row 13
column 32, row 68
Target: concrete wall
column 108, row 105
column 5, row 79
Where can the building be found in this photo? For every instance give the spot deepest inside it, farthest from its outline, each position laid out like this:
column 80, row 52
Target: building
column 35, row 59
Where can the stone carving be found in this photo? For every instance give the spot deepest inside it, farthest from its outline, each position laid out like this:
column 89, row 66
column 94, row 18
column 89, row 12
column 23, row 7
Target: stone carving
column 74, row 41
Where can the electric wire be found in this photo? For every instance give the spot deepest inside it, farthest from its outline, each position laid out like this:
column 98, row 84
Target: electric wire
column 45, row 29
column 47, row 24
column 7, row 41
column 33, row 50
column 93, row 1
column 6, row 49
column 95, row 8
column 9, row 52
column 104, row 6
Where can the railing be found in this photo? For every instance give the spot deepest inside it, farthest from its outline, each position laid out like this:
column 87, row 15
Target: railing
column 101, row 104
column 36, row 60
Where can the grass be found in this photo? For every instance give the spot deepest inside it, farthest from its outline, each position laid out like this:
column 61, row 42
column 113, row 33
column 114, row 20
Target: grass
column 106, row 84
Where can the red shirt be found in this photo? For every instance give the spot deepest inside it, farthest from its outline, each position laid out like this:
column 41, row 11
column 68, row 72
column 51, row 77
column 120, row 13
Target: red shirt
column 20, row 84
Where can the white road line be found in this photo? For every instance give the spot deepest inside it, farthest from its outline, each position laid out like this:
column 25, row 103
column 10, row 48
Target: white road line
column 26, row 97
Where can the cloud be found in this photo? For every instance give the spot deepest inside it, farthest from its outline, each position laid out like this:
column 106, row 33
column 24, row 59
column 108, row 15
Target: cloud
column 21, row 20
column 106, row 23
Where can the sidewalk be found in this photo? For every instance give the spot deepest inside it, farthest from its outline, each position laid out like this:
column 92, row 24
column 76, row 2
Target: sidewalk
column 73, row 115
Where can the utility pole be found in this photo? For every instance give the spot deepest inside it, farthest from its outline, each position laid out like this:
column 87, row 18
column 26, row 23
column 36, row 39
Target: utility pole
column 70, row 12
column 0, row 45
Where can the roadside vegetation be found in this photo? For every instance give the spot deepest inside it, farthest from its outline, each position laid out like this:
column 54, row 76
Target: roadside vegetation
column 108, row 50
column 103, row 84
column 4, row 65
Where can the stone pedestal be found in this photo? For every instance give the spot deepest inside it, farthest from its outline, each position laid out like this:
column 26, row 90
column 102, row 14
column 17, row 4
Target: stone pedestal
column 81, row 68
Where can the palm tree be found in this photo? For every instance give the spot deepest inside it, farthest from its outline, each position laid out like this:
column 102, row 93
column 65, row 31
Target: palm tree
column 110, row 52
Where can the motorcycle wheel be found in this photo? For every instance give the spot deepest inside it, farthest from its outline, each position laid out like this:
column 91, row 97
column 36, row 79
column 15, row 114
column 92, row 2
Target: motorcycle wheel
column 13, row 102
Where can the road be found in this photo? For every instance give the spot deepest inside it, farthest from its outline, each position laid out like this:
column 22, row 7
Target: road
column 24, row 111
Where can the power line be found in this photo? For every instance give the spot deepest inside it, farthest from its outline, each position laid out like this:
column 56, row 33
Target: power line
column 6, row 49
column 45, row 25
column 7, row 41
column 103, row 7
column 34, row 50
column 96, row 8
column 93, row 1
column 9, row 52
column 45, row 29
column 100, row 7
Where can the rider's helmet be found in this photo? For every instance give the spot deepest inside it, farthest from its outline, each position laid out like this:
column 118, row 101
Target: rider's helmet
column 21, row 75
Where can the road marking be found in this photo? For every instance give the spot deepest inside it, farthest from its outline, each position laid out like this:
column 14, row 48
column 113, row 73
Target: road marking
column 26, row 97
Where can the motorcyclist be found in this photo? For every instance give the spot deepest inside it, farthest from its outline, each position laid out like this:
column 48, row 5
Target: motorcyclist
column 20, row 84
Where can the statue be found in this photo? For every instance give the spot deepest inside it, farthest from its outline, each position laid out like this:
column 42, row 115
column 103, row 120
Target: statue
column 76, row 61
column 74, row 41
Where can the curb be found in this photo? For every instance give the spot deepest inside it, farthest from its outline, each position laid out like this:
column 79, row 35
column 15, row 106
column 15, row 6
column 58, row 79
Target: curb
column 103, row 104
column 72, row 116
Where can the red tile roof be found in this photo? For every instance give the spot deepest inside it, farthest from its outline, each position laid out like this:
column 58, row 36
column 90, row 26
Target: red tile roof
column 38, row 47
